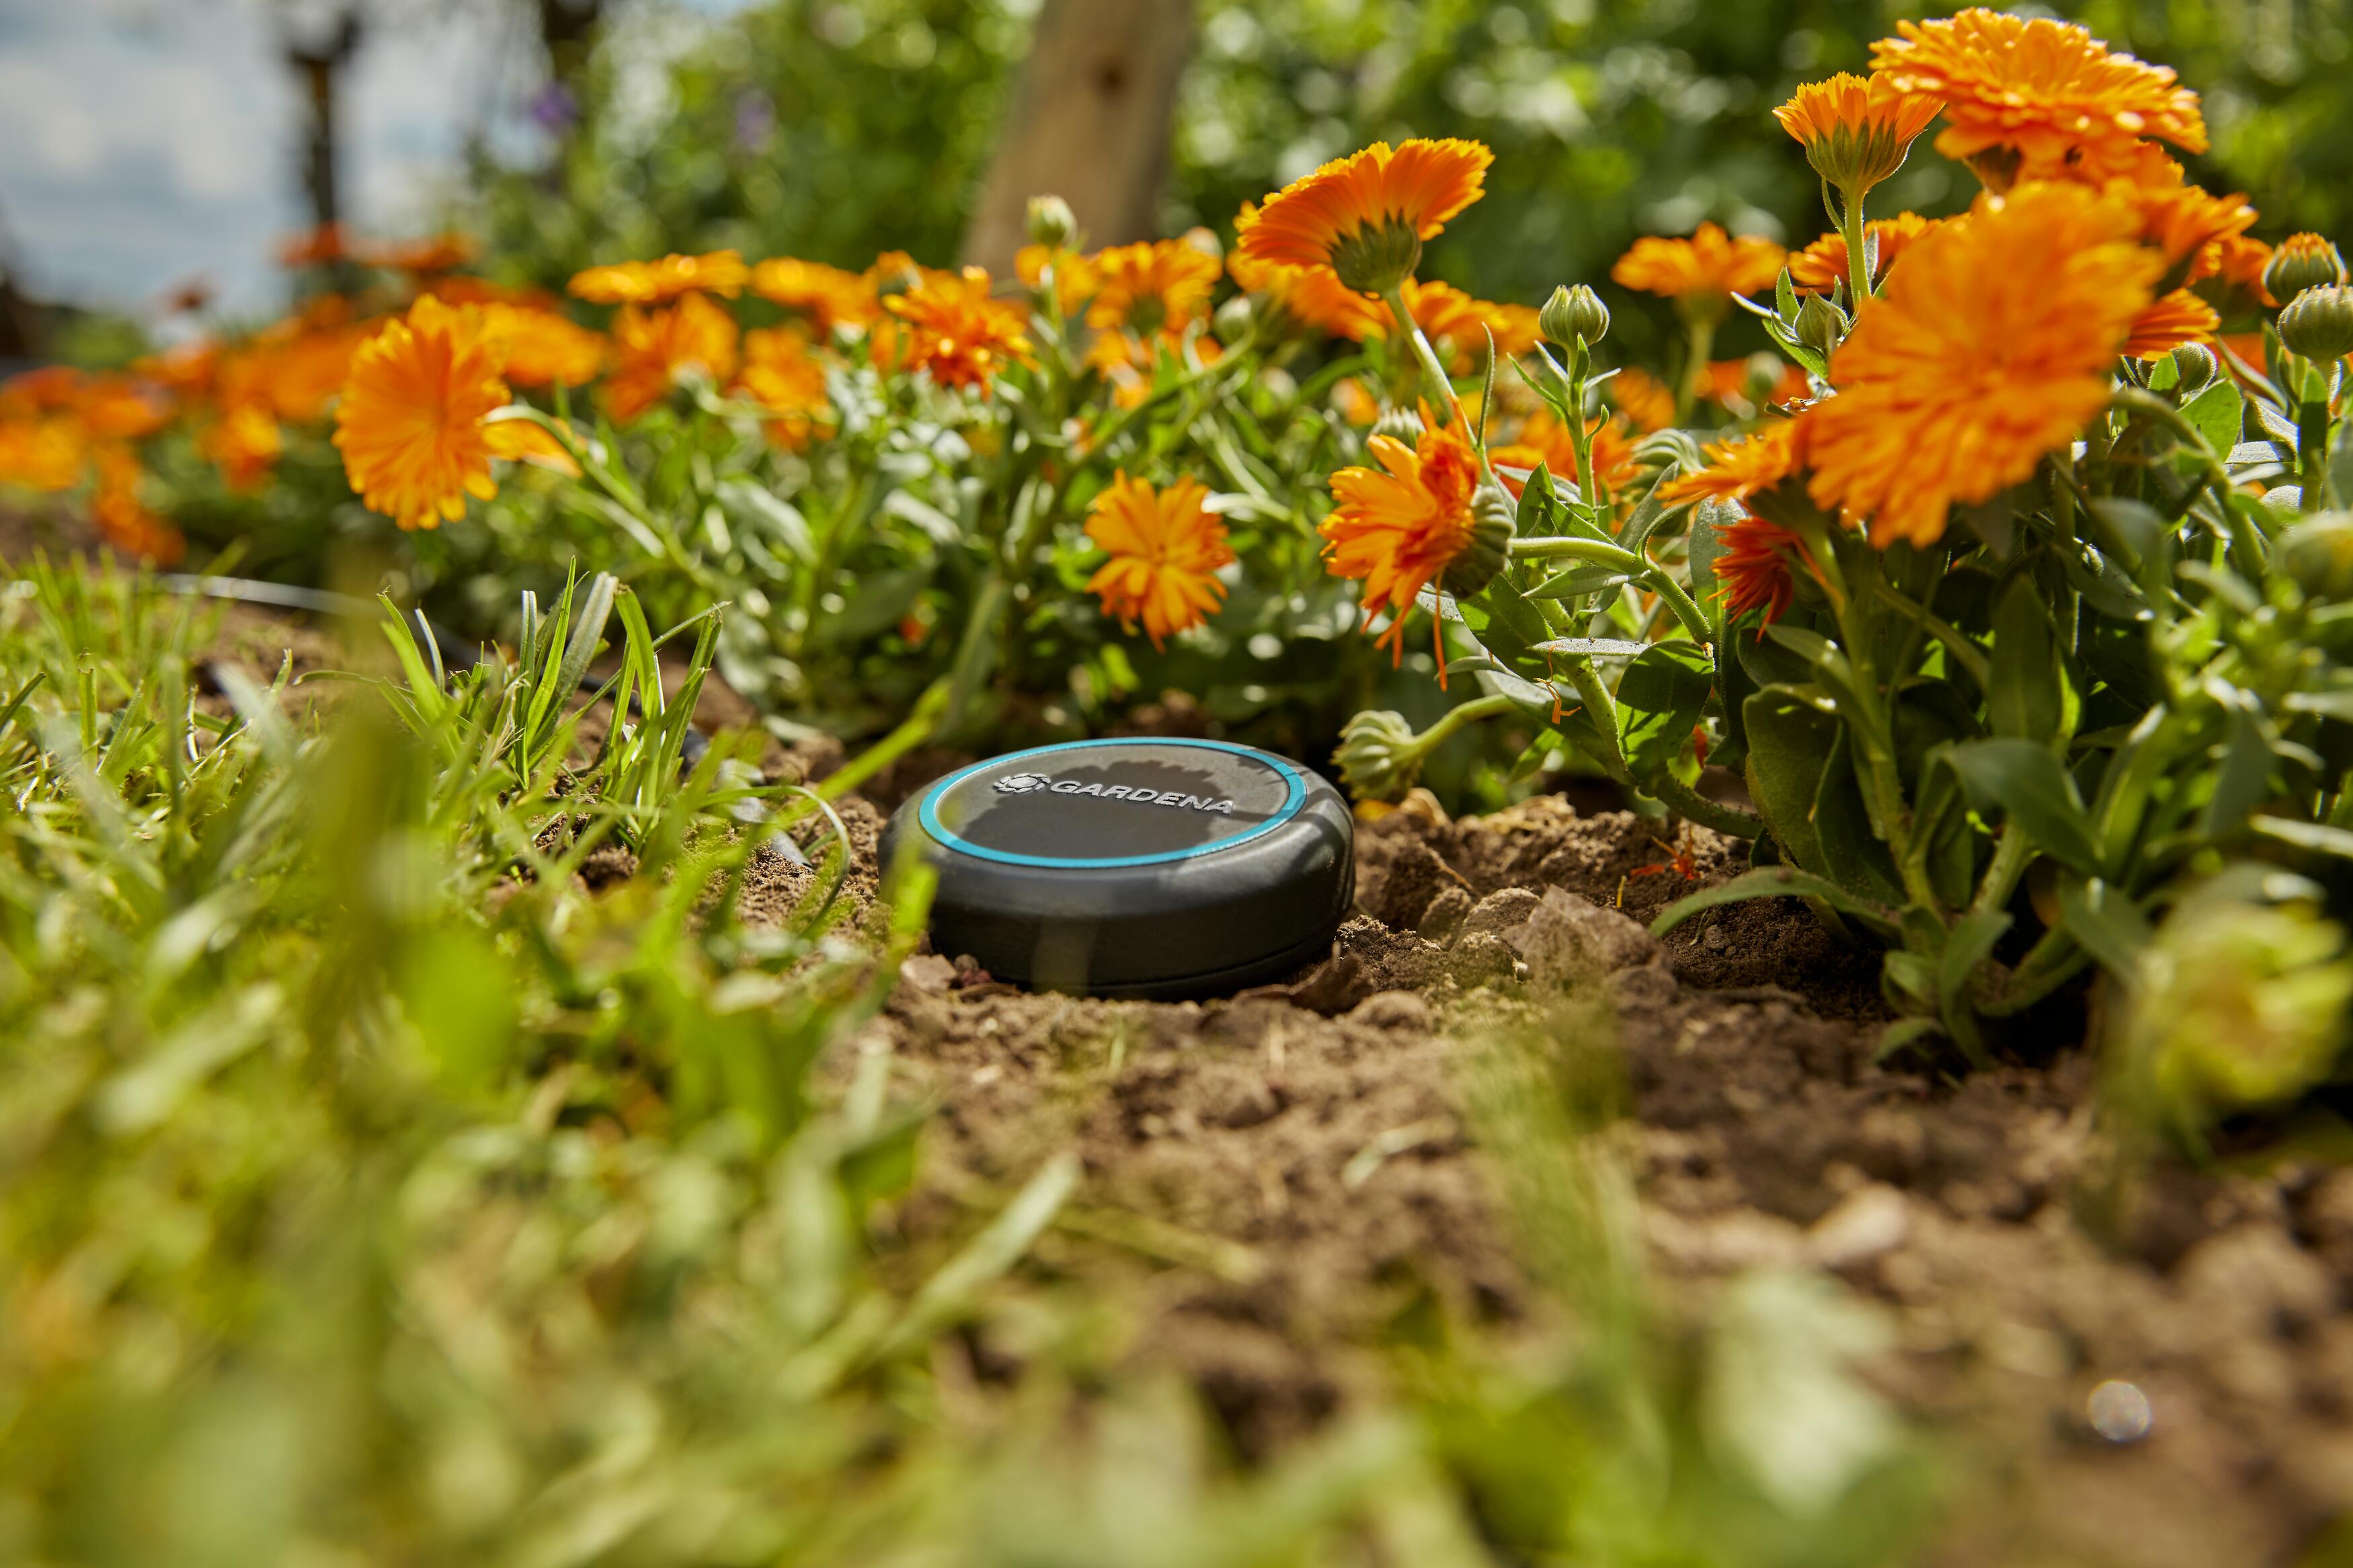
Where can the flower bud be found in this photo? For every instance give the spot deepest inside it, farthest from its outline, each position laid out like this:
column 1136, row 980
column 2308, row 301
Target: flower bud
column 2240, row 1005
column 1821, row 325
column 1494, row 518
column 1574, row 316
column 2195, row 364
column 2316, row 555
column 2303, row 261
column 2319, row 323
column 1052, row 224
column 1379, row 756
column 1398, row 425
column 1234, row 320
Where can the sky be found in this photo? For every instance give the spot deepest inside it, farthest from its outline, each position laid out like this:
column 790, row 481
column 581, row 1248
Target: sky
column 145, row 142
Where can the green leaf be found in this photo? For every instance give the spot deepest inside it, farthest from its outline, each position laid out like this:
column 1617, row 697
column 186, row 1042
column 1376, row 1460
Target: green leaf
column 1658, row 702
column 1789, row 741
column 2027, row 696
column 2244, row 781
column 1850, row 852
column 1970, row 944
column 1777, row 882
column 2104, row 923
column 2028, row 785
column 2217, row 413
column 1578, row 582
column 1589, row 647
column 2315, row 835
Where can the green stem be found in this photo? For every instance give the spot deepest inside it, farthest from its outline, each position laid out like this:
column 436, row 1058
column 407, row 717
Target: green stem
column 1459, row 717
column 1433, row 372
column 1698, row 346
column 1603, row 711
column 1671, row 791
column 2312, row 453
column 2011, row 853
column 1858, row 267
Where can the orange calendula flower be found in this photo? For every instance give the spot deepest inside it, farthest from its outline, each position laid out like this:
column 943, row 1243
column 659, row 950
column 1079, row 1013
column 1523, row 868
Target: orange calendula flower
column 543, row 349
column 722, row 272
column 2037, row 99
column 1752, row 567
column 423, row 257
column 1161, row 286
column 1855, row 131
column 1307, row 299
column 653, row 348
column 1396, row 529
column 957, row 333
column 44, row 452
column 2178, row 318
column 2185, row 224
column 830, row 296
column 1646, row 401
column 324, row 245
column 1707, row 269
column 1074, row 278
column 783, row 377
column 1366, row 215
column 1166, row 549
column 243, row 442
column 1814, row 270
column 1745, row 467
column 124, row 519
column 410, row 423
column 2239, row 261
column 1992, row 346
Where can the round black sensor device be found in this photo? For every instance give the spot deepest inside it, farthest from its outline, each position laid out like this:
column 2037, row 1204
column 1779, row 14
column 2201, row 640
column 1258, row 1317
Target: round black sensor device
column 1134, row 867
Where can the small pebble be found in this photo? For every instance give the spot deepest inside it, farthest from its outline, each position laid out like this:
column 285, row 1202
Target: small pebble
column 2119, row 1412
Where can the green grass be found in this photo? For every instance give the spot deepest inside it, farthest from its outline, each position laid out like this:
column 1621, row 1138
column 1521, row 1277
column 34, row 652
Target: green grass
column 371, row 1192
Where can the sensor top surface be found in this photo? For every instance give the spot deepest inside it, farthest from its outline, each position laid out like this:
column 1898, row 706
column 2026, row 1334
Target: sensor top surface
column 1134, row 866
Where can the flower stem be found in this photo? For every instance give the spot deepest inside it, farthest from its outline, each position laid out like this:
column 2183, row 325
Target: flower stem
column 1858, row 266
column 1698, row 346
column 1435, row 372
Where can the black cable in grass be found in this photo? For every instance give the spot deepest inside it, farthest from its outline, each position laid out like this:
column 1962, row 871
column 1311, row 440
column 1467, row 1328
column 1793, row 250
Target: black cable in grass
column 454, row 651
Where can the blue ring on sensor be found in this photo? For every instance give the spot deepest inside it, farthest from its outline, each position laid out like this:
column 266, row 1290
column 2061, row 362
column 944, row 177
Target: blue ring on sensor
column 930, row 818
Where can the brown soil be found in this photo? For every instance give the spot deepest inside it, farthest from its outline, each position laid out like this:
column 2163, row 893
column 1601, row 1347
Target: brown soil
column 1294, row 1165
column 1279, row 1174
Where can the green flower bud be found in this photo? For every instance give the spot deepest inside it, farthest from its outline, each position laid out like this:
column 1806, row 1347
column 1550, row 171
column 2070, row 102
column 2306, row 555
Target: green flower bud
column 2316, row 555
column 2319, row 323
column 1398, row 425
column 2195, row 364
column 1052, row 224
column 1379, row 756
column 1494, row 518
column 2303, row 261
column 1574, row 316
column 2240, row 1005
column 1233, row 319
column 1821, row 325
column 1378, row 257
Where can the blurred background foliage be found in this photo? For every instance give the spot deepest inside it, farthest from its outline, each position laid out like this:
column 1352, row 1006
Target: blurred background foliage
column 837, row 128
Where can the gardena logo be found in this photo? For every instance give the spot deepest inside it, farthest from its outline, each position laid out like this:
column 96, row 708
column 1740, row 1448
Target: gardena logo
column 1027, row 784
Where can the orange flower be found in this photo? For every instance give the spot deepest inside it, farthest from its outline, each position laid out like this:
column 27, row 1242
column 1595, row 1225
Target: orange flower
column 1074, row 278
column 1157, row 286
column 411, row 423
column 440, row 253
column 1992, row 345
column 829, row 296
column 1856, row 132
column 2178, row 318
column 42, row 453
column 1823, row 263
column 123, row 520
column 2239, row 261
column 243, row 443
column 543, row 349
column 957, row 333
column 653, row 282
column 2034, row 100
column 1710, row 267
column 1367, row 216
column 2185, row 224
column 1643, row 398
column 1310, row 298
column 1745, row 467
column 783, row 377
column 326, row 243
column 1752, row 567
column 654, row 348
column 1396, row 527
column 1166, row 548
